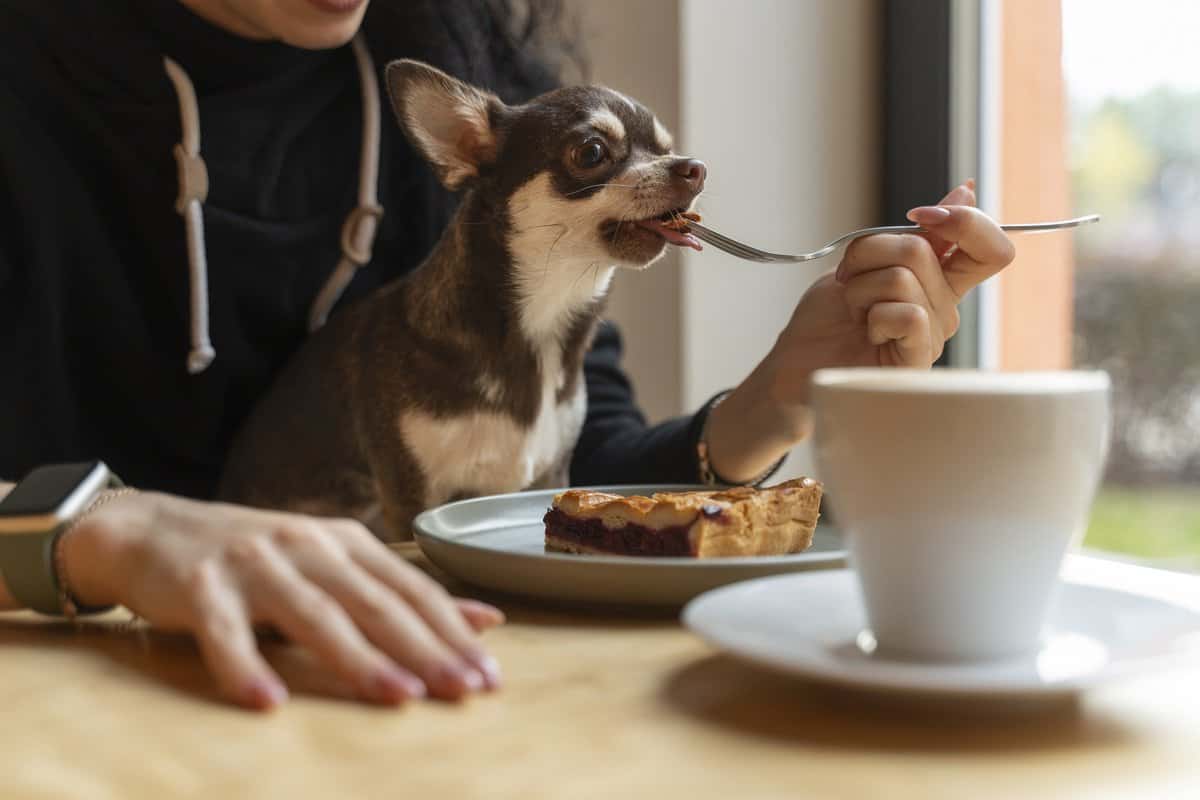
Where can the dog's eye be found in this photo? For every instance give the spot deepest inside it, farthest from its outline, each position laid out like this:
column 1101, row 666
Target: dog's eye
column 591, row 154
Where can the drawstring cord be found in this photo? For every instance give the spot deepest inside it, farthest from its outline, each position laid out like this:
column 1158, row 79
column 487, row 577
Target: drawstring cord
column 358, row 231
column 193, row 191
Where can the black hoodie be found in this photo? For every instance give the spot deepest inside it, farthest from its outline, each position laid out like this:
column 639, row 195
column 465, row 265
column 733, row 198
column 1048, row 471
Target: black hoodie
column 94, row 291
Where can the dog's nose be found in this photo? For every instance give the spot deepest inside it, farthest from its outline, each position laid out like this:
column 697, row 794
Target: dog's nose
column 692, row 171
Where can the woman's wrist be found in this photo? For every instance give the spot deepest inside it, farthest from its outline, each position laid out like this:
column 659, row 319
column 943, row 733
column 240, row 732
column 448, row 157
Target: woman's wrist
column 91, row 552
column 753, row 427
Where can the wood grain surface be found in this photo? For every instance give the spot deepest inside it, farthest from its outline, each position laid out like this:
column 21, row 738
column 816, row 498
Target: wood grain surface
column 597, row 704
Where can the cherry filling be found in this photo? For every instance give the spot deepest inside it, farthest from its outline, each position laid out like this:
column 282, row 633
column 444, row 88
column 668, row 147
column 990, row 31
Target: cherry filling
column 630, row 540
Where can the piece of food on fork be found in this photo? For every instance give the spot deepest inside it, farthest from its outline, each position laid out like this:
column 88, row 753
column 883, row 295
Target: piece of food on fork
column 739, row 521
column 678, row 220
column 673, row 226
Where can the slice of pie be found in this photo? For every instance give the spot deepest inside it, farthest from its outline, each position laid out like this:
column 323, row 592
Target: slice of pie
column 703, row 524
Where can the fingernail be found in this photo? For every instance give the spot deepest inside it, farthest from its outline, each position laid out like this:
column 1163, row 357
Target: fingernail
column 485, row 608
column 394, row 685
column 472, row 677
column 265, row 694
column 455, row 680
column 929, row 215
column 489, row 668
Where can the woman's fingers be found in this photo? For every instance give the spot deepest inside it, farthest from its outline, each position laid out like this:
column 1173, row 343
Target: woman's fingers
column 396, row 628
column 907, row 287
column 281, row 595
column 903, row 328
column 961, row 195
column 900, row 268
column 893, row 303
column 436, row 607
column 981, row 247
column 227, row 644
column 896, row 311
column 329, row 586
column 480, row 616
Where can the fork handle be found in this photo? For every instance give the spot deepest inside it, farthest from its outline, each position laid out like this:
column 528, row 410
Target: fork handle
column 1014, row 227
column 748, row 253
column 1036, row 227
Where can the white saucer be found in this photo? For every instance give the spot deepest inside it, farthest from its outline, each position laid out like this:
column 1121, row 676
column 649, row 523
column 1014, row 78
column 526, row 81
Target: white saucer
column 813, row 625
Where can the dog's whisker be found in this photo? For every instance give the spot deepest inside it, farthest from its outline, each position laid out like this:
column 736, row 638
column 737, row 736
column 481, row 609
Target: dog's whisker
column 537, row 227
column 617, row 230
column 546, row 266
column 597, row 186
column 583, row 272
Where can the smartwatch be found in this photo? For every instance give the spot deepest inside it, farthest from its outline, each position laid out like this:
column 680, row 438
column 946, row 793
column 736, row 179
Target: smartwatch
column 32, row 516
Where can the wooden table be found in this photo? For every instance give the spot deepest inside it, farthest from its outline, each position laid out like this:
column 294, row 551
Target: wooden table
column 596, row 706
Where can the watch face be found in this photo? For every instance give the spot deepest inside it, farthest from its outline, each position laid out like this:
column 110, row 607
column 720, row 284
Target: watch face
column 45, row 489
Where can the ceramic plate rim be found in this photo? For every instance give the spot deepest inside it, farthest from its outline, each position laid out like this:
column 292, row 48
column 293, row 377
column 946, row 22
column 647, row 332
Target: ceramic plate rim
column 422, row 529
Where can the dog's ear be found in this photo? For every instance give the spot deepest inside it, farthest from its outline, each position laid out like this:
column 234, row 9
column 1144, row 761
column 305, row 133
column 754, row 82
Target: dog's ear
column 448, row 121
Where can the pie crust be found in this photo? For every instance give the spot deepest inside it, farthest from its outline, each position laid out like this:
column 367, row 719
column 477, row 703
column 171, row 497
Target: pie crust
column 739, row 521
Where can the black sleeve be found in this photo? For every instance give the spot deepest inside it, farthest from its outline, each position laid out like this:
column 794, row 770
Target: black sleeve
column 10, row 217
column 616, row 445
column 5, row 268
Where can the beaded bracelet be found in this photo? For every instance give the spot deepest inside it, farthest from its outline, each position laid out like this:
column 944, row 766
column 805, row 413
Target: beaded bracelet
column 708, row 475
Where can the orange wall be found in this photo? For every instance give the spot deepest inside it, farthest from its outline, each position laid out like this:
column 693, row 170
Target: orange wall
column 1036, row 291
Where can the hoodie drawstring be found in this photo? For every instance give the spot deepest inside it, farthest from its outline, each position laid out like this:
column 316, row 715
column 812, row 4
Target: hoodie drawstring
column 358, row 231
column 193, row 191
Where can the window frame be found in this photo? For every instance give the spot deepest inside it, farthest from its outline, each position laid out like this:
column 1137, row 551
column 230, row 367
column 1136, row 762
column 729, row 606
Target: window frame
column 941, row 57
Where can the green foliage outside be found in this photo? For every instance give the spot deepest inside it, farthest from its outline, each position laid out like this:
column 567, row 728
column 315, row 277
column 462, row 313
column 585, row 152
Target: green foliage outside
column 1137, row 310
column 1159, row 526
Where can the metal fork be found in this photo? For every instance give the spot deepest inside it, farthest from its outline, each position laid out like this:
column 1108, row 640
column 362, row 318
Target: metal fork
column 748, row 253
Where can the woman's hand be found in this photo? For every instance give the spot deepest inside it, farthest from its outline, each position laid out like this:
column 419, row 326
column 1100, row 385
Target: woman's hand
column 892, row 302
column 215, row 570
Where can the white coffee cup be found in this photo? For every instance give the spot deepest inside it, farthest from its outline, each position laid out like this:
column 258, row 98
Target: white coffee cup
column 959, row 492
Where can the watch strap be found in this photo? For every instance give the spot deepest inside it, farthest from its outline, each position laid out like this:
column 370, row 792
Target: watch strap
column 29, row 567
column 27, row 561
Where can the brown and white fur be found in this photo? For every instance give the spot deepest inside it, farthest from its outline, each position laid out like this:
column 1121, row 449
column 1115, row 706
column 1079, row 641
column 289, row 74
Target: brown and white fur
column 465, row 377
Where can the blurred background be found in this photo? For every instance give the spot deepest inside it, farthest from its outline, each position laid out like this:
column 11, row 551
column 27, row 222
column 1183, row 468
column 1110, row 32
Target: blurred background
column 1133, row 144
column 820, row 116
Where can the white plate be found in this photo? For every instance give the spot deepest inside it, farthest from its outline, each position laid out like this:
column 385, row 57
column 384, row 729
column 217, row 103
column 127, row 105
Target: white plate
column 498, row 542
column 813, row 626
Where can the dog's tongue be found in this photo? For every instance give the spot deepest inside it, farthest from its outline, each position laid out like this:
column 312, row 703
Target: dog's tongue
column 671, row 235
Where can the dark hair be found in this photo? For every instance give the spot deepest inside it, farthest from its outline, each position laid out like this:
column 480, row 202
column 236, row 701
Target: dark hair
column 534, row 42
column 516, row 48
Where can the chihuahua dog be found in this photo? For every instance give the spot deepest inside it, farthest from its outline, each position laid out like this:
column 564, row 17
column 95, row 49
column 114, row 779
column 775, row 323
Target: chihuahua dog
column 464, row 377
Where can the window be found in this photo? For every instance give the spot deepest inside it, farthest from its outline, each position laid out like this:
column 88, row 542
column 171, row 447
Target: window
column 1087, row 128
column 1133, row 133
column 1059, row 108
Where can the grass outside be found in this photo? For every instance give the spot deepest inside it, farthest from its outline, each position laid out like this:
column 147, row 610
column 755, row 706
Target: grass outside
column 1158, row 525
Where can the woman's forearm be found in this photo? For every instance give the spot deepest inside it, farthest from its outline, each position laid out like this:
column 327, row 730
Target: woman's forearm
column 751, row 430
